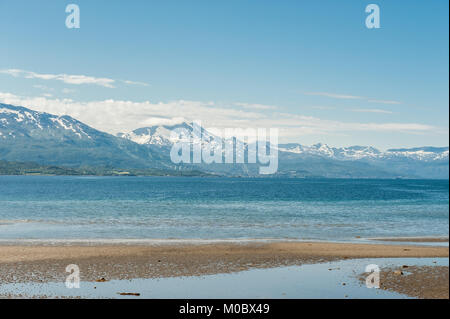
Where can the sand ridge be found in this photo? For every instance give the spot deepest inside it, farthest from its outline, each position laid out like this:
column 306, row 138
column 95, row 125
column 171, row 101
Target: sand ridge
column 45, row 263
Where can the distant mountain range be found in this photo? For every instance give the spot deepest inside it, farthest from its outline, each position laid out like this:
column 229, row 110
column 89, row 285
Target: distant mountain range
column 30, row 136
column 321, row 160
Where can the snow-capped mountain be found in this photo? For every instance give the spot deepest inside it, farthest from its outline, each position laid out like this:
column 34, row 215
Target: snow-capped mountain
column 368, row 152
column 161, row 136
column 352, row 152
column 19, row 122
column 154, row 135
column 426, row 153
column 320, row 159
column 31, row 136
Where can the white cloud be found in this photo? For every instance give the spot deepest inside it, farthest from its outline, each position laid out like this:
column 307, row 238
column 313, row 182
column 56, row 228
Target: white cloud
column 43, row 87
column 323, row 107
column 335, row 96
column 135, row 83
column 163, row 121
column 384, row 101
column 255, row 106
column 115, row 116
column 67, row 78
column 371, row 111
column 352, row 97
column 68, row 91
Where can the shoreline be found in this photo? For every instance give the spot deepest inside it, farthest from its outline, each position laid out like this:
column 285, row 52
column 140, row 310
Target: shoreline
column 154, row 242
column 37, row 251
column 32, row 263
column 413, row 239
column 423, row 282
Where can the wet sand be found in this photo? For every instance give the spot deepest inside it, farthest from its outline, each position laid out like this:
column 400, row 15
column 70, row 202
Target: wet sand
column 414, row 239
column 48, row 263
column 426, row 282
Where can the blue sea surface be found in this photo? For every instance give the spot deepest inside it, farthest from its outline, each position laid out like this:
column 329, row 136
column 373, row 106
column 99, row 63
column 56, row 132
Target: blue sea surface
column 162, row 208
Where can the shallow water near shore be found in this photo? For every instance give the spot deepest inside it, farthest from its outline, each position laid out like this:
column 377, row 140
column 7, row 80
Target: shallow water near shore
column 112, row 209
column 325, row 280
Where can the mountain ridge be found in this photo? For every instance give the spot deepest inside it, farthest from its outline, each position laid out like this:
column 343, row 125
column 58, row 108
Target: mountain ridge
column 31, row 136
column 148, row 135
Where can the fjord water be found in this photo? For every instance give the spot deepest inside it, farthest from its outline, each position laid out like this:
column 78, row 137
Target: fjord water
column 148, row 208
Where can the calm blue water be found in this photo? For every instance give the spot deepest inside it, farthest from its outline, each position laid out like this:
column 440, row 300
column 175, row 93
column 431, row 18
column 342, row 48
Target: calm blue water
column 305, row 281
column 67, row 208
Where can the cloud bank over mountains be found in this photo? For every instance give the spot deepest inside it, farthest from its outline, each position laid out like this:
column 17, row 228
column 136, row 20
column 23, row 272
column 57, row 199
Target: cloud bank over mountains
column 114, row 116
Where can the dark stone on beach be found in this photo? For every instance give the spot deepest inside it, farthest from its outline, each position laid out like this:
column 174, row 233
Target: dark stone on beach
column 129, row 293
column 101, row 280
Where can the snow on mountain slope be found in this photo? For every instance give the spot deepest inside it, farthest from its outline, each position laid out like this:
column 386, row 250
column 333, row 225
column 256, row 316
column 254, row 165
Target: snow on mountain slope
column 420, row 153
column 31, row 136
column 27, row 135
column 156, row 135
column 160, row 135
column 17, row 122
column 367, row 152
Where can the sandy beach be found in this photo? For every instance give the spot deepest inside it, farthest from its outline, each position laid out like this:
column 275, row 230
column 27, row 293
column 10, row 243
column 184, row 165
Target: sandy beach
column 428, row 282
column 47, row 263
column 415, row 239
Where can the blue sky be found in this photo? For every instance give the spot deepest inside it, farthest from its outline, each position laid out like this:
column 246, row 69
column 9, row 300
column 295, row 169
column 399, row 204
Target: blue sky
column 311, row 68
